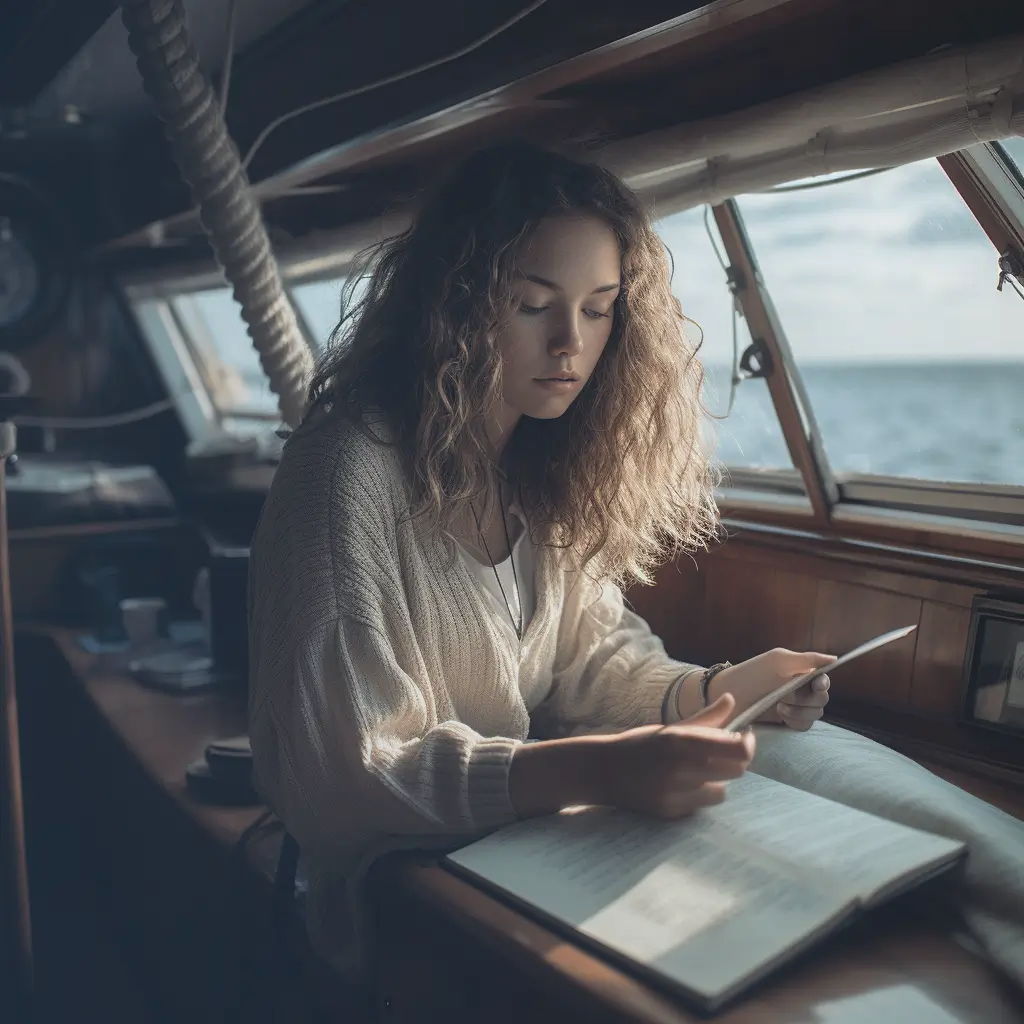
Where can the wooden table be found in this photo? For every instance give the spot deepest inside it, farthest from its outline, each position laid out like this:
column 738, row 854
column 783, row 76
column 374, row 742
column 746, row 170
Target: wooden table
column 451, row 951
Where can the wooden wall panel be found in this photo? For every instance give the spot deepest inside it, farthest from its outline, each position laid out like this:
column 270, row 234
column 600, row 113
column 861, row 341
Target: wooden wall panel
column 735, row 620
column 674, row 608
column 937, row 684
column 755, row 608
column 790, row 610
column 764, row 589
column 848, row 614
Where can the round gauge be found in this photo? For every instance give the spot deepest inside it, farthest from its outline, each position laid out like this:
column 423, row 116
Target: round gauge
column 19, row 276
column 35, row 271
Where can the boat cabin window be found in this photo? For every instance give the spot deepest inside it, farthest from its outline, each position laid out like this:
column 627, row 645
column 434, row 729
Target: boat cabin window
column 202, row 348
column 743, row 427
column 224, row 353
column 884, row 284
column 886, row 288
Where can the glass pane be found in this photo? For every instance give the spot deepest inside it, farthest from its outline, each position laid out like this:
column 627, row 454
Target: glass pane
column 1015, row 148
column 319, row 303
column 886, row 288
column 750, row 435
column 224, row 353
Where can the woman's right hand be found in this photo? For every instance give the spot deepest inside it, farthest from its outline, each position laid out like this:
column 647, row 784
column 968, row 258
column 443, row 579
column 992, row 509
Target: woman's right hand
column 671, row 771
column 664, row 770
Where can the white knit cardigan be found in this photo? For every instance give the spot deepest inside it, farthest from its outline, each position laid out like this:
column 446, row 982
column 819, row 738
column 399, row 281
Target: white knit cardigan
column 386, row 696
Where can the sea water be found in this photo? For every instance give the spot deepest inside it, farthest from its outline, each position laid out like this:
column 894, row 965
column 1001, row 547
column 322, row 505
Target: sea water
column 940, row 421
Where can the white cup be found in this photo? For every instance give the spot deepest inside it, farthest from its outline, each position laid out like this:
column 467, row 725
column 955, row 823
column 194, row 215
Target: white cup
column 143, row 619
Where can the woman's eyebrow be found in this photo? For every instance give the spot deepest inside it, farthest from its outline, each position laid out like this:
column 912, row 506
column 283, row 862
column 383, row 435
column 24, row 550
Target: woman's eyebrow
column 543, row 281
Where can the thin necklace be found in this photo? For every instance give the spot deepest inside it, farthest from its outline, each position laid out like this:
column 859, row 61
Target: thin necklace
column 516, row 625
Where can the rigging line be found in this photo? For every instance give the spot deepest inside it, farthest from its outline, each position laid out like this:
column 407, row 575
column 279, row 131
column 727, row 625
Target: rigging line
column 804, row 186
column 389, row 80
column 735, row 377
column 711, row 238
column 229, row 56
column 95, row 422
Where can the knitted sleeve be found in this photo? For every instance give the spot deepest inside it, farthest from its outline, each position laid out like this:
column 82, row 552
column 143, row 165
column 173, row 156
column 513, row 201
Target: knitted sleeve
column 344, row 754
column 350, row 738
column 610, row 669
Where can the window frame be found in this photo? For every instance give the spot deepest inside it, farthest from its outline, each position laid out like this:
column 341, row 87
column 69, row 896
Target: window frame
column 792, row 405
column 150, row 298
column 982, row 517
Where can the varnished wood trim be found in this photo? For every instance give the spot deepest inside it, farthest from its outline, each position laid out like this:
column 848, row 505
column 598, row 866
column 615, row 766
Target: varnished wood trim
column 791, row 404
column 922, row 534
column 877, row 555
column 537, row 949
column 955, row 537
column 889, row 579
column 986, row 211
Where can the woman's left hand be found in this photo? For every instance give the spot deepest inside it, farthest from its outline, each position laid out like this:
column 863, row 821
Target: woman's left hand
column 750, row 680
column 801, row 708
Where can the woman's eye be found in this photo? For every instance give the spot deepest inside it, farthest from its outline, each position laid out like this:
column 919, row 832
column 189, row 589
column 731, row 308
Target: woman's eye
column 596, row 314
column 531, row 310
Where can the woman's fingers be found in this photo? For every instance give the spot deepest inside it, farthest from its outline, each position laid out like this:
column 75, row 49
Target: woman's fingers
column 692, row 800
column 718, row 770
column 798, row 663
column 799, row 716
column 815, row 660
column 689, row 744
column 709, row 794
column 802, row 712
column 810, row 695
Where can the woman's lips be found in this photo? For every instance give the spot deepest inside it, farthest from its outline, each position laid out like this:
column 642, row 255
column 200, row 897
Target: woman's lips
column 557, row 384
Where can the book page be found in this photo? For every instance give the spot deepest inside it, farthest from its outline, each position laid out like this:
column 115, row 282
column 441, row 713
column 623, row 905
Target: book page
column 858, row 772
column 683, row 897
column 843, row 846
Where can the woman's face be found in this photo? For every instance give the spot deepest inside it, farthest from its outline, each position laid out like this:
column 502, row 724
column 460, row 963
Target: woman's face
column 566, row 289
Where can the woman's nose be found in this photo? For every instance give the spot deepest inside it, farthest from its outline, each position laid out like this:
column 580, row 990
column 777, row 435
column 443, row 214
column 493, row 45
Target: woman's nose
column 566, row 339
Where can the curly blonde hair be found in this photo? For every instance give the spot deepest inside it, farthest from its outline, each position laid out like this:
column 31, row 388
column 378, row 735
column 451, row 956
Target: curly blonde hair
column 622, row 480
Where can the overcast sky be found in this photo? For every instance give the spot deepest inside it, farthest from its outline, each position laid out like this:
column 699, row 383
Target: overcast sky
column 890, row 267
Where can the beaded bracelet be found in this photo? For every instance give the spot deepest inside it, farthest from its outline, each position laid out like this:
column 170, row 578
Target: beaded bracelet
column 709, row 674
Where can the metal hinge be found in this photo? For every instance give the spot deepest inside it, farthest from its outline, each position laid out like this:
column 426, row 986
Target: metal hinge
column 1011, row 268
column 756, row 361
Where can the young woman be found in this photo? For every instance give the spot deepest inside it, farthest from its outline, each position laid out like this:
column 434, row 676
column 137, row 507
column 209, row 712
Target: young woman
column 506, row 431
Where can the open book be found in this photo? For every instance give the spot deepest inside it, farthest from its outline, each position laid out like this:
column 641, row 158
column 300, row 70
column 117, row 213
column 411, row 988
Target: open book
column 708, row 905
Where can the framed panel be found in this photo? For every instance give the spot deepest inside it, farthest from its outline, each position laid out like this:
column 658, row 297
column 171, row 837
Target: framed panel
column 994, row 666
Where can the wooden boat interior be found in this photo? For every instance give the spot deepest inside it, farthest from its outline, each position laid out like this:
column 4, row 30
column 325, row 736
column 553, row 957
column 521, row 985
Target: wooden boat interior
column 841, row 184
